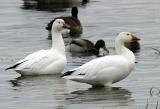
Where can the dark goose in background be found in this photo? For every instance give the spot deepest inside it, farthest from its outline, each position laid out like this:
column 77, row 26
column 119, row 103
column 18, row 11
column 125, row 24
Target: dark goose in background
column 52, row 5
column 73, row 21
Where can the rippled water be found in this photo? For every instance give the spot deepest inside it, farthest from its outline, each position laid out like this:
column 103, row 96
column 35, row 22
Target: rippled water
column 22, row 32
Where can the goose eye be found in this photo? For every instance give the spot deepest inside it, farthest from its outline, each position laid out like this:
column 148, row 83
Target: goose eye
column 59, row 22
column 128, row 34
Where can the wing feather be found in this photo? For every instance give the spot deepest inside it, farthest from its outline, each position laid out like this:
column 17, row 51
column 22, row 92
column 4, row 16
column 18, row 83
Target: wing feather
column 38, row 61
column 93, row 67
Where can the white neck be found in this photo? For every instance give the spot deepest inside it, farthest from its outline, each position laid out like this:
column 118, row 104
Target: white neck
column 57, row 41
column 122, row 50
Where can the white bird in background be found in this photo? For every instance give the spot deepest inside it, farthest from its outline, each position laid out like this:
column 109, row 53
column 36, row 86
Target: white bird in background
column 108, row 69
column 51, row 61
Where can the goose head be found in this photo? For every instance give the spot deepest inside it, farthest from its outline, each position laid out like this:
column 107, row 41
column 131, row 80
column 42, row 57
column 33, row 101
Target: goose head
column 121, row 39
column 59, row 25
column 125, row 37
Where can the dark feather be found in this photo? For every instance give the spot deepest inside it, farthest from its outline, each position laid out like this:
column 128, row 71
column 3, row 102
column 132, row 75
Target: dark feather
column 68, row 73
column 14, row 66
column 75, row 42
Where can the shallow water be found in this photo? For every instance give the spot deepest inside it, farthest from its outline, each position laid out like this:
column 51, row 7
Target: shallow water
column 22, row 31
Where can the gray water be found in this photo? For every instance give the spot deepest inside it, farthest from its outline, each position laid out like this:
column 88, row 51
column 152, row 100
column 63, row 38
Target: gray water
column 22, row 31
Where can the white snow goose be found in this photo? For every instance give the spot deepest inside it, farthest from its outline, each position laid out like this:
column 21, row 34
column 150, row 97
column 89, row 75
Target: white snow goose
column 51, row 61
column 108, row 69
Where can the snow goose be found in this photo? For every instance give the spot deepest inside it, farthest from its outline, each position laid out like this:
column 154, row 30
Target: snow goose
column 73, row 21
column 84, row 45
column 51, row 61
column 108, row 69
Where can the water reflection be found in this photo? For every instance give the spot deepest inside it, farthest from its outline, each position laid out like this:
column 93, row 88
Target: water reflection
column 42, row 88
column 107, row 94
column 37, row 80
column 39, row 91
column 51, row 6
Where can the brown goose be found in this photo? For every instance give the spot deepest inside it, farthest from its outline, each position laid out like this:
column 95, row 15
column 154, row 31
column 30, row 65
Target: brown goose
column 73, row 21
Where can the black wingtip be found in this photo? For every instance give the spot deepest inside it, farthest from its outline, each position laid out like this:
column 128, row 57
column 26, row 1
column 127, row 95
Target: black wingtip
column 7, row 68
column 67, row 73
column 14, row 66
column 10, row 68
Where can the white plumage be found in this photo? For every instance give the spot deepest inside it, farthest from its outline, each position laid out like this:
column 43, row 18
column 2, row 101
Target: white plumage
column 108, row 69
column 51, row 61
